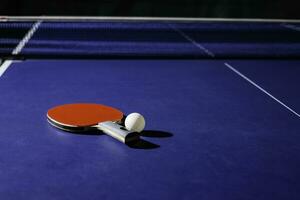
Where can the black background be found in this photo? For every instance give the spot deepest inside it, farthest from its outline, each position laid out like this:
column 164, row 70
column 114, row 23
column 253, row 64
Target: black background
column 288, row 9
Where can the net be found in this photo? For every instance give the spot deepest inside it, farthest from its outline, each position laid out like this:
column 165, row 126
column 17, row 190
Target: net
column 156, row 39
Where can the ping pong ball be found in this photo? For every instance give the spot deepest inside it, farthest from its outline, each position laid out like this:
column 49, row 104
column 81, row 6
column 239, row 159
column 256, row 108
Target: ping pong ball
column 135, row 122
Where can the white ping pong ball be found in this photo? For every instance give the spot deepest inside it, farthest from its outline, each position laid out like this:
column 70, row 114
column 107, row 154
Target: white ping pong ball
column 135, row 122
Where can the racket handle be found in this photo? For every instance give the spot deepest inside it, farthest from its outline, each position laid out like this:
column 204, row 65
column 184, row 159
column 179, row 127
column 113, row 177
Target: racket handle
column 118, row 132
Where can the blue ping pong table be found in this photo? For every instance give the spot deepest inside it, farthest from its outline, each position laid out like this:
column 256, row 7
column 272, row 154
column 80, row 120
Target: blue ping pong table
column 221, row 101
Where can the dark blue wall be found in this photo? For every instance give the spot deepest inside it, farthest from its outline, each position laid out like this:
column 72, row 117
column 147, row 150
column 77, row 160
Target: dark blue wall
column 173, row 8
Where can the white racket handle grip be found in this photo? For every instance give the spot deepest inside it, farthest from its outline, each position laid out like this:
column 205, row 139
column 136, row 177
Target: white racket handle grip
column 118, row 132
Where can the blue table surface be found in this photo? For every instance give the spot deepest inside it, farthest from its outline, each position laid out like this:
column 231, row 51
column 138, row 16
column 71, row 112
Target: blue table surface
column 216, row 129
column 210, row 134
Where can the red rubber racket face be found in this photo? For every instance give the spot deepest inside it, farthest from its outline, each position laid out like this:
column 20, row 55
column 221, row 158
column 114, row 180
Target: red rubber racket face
column 80, row 115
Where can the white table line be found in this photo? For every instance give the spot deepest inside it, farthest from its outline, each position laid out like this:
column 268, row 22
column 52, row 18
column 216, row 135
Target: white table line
column 195, row 43
column 261, row 89
column 5, row 65
column 290, row 26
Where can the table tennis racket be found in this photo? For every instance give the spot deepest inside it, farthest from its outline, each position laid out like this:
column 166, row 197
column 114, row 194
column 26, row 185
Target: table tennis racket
column 83, row 117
